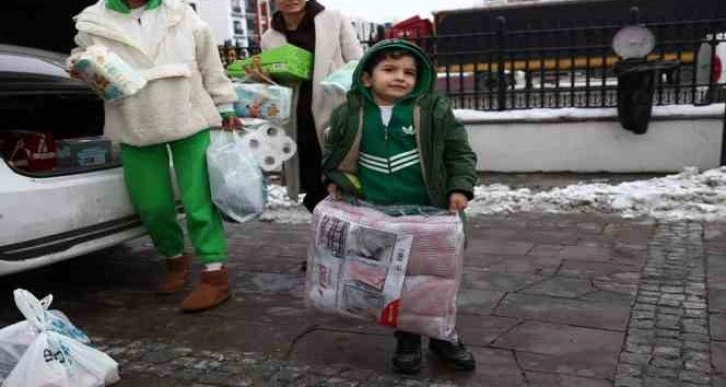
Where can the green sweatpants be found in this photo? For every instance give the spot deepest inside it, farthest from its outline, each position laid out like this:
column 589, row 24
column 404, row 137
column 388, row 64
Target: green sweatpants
column 148, row 180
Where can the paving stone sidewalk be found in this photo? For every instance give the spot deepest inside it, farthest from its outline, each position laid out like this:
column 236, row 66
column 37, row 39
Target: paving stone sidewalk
column 546, row 300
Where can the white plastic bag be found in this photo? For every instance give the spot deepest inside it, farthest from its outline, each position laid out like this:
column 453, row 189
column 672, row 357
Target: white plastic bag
column 15, row 339
column 238, row 184
column 340, row 80
column 55, row 360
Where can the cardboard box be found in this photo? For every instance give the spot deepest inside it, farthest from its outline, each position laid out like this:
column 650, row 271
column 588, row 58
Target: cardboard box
column 284, row 63
column 84, row 152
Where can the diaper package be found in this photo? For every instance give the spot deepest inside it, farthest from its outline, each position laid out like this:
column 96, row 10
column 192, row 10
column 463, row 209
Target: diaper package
column 259, row 100
column 106, row 73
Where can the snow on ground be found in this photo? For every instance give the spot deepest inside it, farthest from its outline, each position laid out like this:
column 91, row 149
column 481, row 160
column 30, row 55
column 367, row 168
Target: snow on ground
column 687, row 195
column 283, row 210
column 713, row 110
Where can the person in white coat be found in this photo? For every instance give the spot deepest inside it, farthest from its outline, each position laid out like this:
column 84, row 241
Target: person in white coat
column 187, row 92
column 330, row 36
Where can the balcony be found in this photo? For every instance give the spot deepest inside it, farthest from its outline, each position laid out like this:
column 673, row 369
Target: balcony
column 237, row 10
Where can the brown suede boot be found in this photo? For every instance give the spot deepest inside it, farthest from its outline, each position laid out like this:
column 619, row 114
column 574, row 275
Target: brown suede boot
column 212, row 290
column 177, row 273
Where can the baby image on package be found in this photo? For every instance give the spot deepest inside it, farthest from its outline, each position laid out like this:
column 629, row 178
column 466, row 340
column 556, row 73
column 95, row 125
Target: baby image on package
column 106, row 73
column 258, row 100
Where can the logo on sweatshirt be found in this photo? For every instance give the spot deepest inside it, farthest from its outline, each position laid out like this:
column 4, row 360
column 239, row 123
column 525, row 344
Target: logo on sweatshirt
column 391, row 164
column 408, row 130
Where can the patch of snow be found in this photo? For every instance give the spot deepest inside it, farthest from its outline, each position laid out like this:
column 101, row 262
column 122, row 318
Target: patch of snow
column 569, row 114
column 689, row 195
column 281, row 209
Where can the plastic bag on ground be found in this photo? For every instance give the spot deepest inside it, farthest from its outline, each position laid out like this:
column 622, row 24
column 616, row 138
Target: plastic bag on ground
column 55, row 360
column 238, row 185
column 399, row 271
column 16, row 338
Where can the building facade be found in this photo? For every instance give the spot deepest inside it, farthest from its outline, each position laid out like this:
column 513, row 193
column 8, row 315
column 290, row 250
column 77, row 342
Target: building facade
column 235, row 22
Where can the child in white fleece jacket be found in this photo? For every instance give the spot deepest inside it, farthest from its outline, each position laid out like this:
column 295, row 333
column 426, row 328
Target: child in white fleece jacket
column 186, row 93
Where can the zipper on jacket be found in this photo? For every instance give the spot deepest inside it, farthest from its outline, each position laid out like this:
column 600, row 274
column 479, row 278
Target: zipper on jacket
column 99, row 30
column 96, row 27
column 388, row 147
column 417, row 128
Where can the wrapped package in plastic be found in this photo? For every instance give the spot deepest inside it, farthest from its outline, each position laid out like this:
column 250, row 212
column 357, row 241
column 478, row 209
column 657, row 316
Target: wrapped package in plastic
column 16, row 338
column 399, row 271
column 106, row 73
column 286, row 63
column 268, row 143
column 238, row 185
column 54, row 359
column 341, row 80
column 259, row 100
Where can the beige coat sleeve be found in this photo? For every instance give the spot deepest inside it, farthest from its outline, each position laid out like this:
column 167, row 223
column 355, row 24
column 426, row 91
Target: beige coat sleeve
column 210, row 65
column 350, row 46
column 82, row 41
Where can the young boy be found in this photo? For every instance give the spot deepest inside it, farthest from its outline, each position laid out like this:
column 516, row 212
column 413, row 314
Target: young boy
column 395, row 142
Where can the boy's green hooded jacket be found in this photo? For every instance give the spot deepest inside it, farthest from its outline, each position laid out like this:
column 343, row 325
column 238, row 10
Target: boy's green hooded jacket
column 447, row 163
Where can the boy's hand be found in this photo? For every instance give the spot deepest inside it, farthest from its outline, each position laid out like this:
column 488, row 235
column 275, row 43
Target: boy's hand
column 457, row 202
column 230, row 124
column 333, row 191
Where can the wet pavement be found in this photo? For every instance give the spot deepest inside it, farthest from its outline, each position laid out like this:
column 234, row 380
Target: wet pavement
column 546, row 300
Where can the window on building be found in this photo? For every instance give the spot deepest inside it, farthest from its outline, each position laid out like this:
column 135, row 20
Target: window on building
column 238, row 29
column 236, row 6
column 251, row 6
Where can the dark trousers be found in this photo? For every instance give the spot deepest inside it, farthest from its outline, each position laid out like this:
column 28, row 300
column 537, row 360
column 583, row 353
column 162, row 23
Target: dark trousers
column 311, row 174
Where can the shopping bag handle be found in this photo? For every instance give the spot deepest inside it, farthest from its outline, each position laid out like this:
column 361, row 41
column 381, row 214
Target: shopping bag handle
column 31, row 308
column 227, row 137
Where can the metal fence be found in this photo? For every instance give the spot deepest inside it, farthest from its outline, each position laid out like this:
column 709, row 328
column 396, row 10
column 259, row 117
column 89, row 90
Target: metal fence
column 568, row 67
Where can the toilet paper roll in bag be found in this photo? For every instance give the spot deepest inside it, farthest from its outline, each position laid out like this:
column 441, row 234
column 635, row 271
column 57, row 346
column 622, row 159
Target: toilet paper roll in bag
column 268, row 143
column 106, row 73
column 263, row 152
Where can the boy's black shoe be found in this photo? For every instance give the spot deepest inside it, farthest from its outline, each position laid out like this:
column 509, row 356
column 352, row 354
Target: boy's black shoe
column 454, row 354
column 408, row 353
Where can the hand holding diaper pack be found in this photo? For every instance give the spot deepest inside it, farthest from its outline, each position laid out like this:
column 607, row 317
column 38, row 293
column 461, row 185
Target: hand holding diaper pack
column 105, row 72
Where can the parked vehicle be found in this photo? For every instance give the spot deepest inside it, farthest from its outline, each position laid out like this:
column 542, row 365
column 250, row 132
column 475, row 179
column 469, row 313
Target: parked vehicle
column 62, row 191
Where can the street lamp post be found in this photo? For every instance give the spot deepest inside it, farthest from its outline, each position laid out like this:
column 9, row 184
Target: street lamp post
column 636, row 75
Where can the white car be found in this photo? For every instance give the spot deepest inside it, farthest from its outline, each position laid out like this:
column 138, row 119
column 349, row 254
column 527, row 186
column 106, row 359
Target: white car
column 54, row 214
